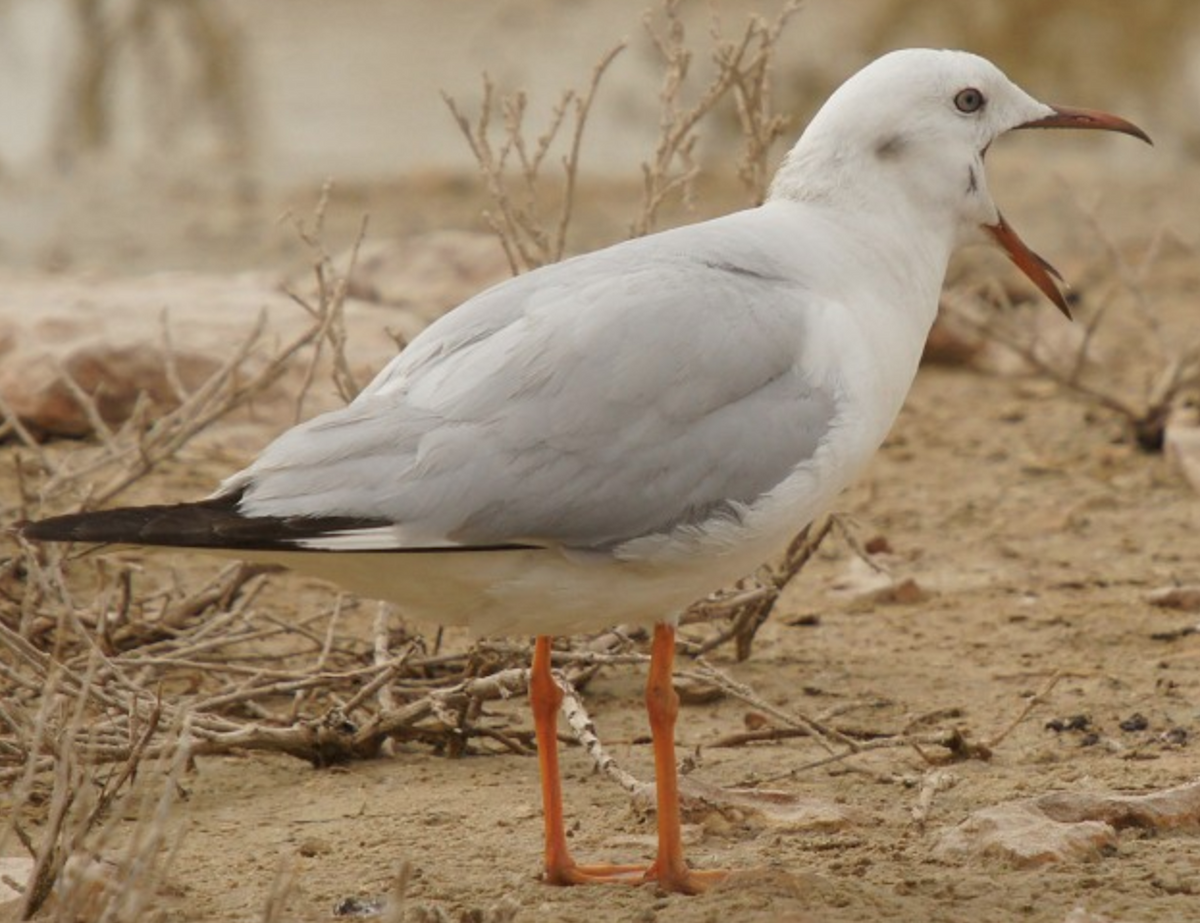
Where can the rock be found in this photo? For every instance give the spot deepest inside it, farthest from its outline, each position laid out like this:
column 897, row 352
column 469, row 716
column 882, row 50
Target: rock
column 864, row 586
column 1025, row 835
column 1066, row 826
column 951, row 343
column 1081, row 914
column 1186, row 597
column 859, row 581
column 427, row 273
column 1181, row 443
column 107, row 333
column 1079, row 722
column 1170, row 809
column 906, row 592
column 879, row 544
column 34, row 383
column 313, row 846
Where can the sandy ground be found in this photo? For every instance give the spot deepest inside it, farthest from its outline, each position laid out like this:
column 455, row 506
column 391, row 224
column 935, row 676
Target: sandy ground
column 1037, row 539
column 1034, row 529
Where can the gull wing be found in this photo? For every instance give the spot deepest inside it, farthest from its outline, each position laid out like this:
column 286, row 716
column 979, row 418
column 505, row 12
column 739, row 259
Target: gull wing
column 621, row 394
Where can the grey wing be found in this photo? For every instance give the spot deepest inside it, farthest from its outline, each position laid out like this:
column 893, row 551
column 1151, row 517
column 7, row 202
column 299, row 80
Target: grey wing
column 584, row 405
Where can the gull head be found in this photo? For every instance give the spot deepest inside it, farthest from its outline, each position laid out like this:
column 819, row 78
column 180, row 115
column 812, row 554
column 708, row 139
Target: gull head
column 904, row 141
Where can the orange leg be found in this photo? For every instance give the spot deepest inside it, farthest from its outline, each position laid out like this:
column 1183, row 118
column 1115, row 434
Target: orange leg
column 662, row 704
column 546, row 697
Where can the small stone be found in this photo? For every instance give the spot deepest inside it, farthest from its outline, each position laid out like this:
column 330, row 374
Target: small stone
column 1181, row 443
column 115, row 375
column 907, row 592
column 1022, row 834
column 1073, row 723
column 1170, row 882
column 1083, row 915
column 1186, row 598
column 1068, row 825
column 359, row 907
column 107, row 334
column 314, row 846
column 877, row 545
column 951, row 343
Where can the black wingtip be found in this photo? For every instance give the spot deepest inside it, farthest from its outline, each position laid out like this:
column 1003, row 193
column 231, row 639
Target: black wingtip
column 22, row 528
column 178, row 524
column 215, row 523
column 146, row 525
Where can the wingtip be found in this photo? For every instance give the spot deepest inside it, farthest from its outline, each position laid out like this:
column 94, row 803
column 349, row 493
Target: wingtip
column 50, row 529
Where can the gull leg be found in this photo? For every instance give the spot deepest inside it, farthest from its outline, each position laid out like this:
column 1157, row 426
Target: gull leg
column 545, row 697
column 662, row 704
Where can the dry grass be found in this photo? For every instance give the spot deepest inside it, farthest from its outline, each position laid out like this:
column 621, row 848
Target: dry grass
column 529, row 237
column 114, row 678
column 513, row 166
column 85, row 659
column 743, row 71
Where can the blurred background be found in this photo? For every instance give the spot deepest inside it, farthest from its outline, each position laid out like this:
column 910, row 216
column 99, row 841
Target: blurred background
column 171, row 133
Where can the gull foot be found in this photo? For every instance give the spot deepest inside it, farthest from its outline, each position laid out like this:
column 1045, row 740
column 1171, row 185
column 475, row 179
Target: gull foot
column 685, row 880
column 682, row 881
column 568, row 873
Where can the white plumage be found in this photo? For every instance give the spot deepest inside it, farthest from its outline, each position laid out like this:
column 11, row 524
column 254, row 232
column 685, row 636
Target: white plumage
column 609, row 438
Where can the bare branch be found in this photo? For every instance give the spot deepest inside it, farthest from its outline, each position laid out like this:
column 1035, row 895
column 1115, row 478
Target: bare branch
column 529, row 238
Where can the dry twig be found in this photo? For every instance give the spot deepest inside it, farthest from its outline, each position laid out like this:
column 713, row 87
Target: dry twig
column 934, row 782
column 529, row 240
column 747, row 607
column 328, row 312
column 743, row 68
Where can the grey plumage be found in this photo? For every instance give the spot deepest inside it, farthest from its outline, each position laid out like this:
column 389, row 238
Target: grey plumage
column 527, row 421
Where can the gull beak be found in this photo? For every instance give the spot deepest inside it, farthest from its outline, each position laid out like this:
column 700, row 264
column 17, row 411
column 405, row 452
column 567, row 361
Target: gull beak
column 1064, row 117
column 1040, row 272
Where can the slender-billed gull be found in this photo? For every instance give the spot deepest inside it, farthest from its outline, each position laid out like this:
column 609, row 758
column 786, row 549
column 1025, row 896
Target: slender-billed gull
column 609, row 438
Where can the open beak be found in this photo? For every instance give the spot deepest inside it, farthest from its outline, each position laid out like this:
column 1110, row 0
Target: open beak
column 1040, row 272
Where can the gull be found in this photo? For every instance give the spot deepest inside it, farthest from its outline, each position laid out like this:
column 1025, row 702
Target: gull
column 606, row 439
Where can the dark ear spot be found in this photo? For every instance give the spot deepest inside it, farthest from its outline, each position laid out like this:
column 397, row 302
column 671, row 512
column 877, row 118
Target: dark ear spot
column 891, row 147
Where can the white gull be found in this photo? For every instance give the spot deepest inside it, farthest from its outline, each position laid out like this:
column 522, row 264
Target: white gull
column 609, row 438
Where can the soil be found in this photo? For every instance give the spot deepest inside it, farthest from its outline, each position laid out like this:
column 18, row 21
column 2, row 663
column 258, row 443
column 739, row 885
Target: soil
column 1030, row 523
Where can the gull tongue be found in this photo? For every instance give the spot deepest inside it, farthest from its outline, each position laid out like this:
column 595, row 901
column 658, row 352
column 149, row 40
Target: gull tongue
column 1040, row 272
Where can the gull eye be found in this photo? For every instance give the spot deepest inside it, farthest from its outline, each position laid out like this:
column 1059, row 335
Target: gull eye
column 969, row 100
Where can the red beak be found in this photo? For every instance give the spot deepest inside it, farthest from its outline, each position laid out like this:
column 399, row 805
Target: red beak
column 1040, row 272
column 1065, row 117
